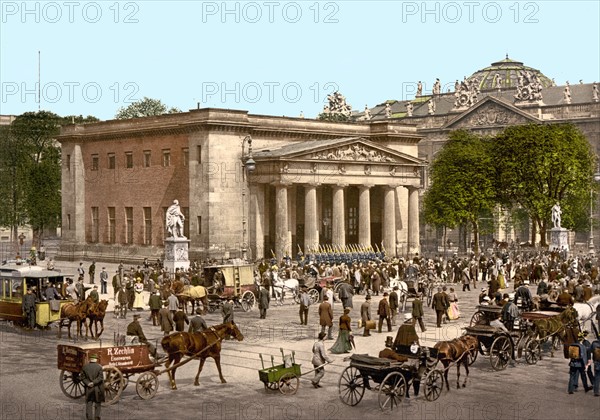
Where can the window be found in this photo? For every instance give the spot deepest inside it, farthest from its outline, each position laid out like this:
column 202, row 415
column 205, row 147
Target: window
column 199, row 153
column 186, row 223
column 199, row 225
column 166, row 160
column 147, row 225
column 186, row 155
column 147, row 158
column 68, row 162
column 111, row 161
column 94, row 163
column 95, row 224
column 111, row 225
column 128, row 159
column 128, row 225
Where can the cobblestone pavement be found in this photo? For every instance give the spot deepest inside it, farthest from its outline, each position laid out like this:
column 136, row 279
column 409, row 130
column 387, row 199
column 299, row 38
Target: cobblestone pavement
column 29, row 386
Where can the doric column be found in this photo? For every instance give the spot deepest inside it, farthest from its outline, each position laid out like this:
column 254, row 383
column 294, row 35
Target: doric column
column 338, row 224
column 389, row 221
column 311, row 228
column 364, row 215
column 413, row 220
column 282, row 243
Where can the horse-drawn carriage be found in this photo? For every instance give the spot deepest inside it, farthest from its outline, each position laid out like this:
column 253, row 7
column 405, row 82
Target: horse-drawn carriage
column 230, row 282
column 527, row 337
column 119, row 364
column 405, row 363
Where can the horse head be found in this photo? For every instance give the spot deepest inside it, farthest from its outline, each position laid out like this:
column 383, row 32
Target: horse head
column 232, row 329
column 569, row 316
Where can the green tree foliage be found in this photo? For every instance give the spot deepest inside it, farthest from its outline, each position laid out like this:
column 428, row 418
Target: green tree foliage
column 538, row 165
column 462, row 185
column 145, row 107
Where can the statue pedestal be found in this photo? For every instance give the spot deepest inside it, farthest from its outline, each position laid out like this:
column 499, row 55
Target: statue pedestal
column 559, row 239
column 176, row 254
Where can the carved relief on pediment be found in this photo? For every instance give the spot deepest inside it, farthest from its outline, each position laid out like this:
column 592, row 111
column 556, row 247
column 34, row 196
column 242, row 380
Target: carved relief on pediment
column 354, row 152
column 492, row 114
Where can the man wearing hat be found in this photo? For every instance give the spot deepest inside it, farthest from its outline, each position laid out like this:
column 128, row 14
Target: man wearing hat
column 510, row 312
column 326, row 317
column 304, row 304
column 94, row 294
column 93, row 379
column 320, row 357
column 103, row 281
column 365, row 314
column 155, row 303
column 197, row 323
column 134, row 329
column 394, row 304
column 440, row 304
column 417, row 311
column 384, row 313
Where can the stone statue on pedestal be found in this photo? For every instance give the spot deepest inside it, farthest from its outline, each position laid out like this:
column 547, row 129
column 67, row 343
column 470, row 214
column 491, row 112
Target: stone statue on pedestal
column 556, row 215
column 419, row 88
column 388, row 111
column 176, row 244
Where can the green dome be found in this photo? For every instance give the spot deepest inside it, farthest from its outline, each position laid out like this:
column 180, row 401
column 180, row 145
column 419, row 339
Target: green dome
column 508, row 70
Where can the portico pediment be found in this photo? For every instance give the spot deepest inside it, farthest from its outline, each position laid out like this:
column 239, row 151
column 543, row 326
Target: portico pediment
column 490, row 112
column 348, row 150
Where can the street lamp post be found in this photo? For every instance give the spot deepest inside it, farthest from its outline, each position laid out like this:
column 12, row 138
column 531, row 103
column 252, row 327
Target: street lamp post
column 591, row 246
column 248, row 165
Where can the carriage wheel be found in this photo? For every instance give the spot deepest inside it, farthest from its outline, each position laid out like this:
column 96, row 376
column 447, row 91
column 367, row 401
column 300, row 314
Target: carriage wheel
column 472, row 356
column 248, row 300
column 476, row 318
column 113, row 384
column 434, row 383
column 71, row 385
column 288, row 384
column 533, row 351
column 297, row 297
column 391, row 391
column 314, row 295
column 351, row 386
column 273, row 386
column 500, row 352
column 147, row 385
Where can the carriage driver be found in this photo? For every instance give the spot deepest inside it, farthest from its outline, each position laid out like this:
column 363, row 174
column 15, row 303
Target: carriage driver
column 134, row 330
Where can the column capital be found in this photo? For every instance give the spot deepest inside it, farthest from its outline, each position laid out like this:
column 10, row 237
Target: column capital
column 312, row 184
column 365, row 186
column 339, row 185
column 282, row 184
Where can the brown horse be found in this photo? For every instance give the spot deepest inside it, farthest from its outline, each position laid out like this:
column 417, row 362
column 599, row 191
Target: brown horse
column 96, row 315
column 185, row 293
column 75, row 312
column 458, row 351
column 556, row 326
column 201, row 345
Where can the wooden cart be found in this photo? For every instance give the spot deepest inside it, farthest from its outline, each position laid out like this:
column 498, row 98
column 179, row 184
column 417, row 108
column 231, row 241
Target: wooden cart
column 235, row 282
column 119, row 364
column 284, row 377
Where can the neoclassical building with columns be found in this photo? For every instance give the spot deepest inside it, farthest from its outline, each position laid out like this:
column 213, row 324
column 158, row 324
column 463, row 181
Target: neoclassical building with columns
column 312, row 183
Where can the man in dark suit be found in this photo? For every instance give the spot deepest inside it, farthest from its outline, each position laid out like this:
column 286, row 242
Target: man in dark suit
column 384, row 313
column 365, row 314
column 263, row 301
column 326, row 317
column 197, row 323
column 440, row 304
column 394, row 303
column 93, row 379
column 179, row 319
column 28, row 305
column 417, row 311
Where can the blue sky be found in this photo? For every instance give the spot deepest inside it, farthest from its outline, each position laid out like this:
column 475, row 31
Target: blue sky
column 275, row 57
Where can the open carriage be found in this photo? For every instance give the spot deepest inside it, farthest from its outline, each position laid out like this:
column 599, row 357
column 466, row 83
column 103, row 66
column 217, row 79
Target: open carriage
column 409, row 363
column 235, row 282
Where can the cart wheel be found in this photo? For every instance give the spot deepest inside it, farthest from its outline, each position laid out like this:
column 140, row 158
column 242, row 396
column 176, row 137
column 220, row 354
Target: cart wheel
column 391, row 391
column 500, row 352
column 434, row 383
column 71, row 385
column 248, row 300
column 351, row 386
column 314, row 295
column 113, row 384
column 476, row 318
column 273, row 386
column 533, row 351
column 472, row 356
column 288, row 384
column 147, row 385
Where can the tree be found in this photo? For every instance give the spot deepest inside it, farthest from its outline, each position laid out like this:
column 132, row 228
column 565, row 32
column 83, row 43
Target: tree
column 145, row 107
column 461, row 183
column 538, row 165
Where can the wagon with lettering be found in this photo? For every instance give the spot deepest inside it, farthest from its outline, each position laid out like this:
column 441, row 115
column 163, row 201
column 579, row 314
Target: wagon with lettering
column 119, row 363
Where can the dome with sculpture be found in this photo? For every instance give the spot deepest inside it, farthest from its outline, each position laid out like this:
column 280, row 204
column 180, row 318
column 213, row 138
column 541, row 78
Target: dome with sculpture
column 506, row 73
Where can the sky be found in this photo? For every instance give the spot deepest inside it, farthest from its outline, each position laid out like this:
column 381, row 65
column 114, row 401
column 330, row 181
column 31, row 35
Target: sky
column 275, row 57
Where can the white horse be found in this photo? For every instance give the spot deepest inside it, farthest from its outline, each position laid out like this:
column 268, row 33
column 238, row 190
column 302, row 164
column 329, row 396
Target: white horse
column 282, row 286
column 402, row 291
column 587, row 312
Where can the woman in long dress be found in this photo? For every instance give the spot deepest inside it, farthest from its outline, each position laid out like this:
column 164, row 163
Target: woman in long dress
column 342, row 344
column 501, row 277
column 453, row 311
column 138, row 288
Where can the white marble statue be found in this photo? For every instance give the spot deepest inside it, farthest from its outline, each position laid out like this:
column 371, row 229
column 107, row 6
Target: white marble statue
column 175, row 219
column 556, row 213
column 409, row 109
column 567, row 93
column 595, row 92
column 431, row 107
column 419, row 88
column 388, row 111
column 367, row 113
